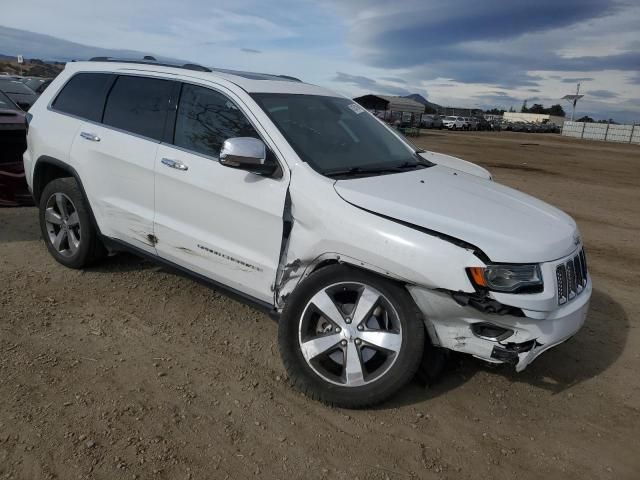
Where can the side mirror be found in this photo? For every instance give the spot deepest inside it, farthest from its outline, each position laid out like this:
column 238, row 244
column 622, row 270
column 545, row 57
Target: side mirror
column 246, row 153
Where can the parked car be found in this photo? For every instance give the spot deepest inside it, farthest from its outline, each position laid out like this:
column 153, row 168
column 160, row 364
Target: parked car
column 17, row 91
column 472, row 123
column 297, row 200
column 481, row 123
column 37, row 84
column 431, row 121
column 454, row 123
column 13, row 186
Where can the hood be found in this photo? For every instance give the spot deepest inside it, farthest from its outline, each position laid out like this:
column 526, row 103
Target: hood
column 456, row 163
column 507, row 225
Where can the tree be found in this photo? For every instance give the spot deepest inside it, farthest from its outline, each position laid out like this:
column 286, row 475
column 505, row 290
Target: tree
column 537, row 108
column 556, row 110
column 586, row 119
column 495, row 111
column 524, row 108
column 511, row 109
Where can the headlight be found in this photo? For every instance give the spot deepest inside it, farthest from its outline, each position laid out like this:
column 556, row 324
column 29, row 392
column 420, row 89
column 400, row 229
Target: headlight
column 507, row 278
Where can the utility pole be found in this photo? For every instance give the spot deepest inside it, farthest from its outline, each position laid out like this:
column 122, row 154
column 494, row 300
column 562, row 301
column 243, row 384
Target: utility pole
column 574, row 99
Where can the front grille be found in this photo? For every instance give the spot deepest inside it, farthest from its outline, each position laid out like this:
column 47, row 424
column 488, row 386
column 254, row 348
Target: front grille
column 571, row 277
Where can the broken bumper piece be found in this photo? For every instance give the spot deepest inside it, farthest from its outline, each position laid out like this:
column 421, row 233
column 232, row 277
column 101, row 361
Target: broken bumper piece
column 517, row 340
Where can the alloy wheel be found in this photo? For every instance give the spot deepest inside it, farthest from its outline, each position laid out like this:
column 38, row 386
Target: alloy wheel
column 350, row 334
column 63, row 224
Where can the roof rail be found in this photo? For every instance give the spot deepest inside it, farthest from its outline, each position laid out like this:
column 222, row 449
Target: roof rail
column 148, row 60
column 289, row 77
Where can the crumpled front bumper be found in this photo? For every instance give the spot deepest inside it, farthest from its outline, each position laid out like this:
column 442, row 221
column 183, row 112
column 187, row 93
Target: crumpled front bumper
column 450, row 326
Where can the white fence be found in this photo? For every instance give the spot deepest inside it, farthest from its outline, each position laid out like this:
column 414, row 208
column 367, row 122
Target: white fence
column 602, row 131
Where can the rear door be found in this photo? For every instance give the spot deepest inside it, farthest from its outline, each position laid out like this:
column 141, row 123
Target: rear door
column 117, row 156
column 223, row 223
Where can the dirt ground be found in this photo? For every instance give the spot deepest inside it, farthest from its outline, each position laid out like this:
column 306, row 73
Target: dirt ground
column 129, row 371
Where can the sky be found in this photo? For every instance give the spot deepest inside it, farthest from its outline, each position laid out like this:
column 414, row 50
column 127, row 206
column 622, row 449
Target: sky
column 467, row 53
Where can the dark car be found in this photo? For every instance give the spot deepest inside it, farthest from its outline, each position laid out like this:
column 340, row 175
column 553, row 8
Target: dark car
column 17, row 91
column 37, row 84
column 13, row 142
column 431, row 121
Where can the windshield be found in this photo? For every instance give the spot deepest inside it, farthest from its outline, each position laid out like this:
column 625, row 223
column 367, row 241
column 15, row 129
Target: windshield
column 33, row 83
column 14, row 86
column 335, row 134
column 5, row 102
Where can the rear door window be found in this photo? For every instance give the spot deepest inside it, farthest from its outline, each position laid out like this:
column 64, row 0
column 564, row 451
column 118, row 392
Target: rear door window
column 206, row 119
column 139, row 105
column 84, row 95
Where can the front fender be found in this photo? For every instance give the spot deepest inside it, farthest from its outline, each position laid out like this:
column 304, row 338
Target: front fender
column 333, row 230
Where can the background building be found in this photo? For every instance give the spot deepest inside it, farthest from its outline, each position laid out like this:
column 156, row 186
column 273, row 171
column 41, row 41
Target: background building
column 533, row 118
column 392, row 108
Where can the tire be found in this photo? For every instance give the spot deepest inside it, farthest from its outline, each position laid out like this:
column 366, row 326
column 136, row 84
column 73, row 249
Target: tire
column 66, row 225
column 391, row 319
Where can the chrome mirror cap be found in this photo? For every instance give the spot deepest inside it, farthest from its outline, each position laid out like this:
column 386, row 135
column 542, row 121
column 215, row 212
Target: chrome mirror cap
column 243, row 152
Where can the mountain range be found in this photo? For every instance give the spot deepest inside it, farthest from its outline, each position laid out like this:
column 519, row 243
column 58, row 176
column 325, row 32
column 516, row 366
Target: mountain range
column 420, row 99
column 15, row 42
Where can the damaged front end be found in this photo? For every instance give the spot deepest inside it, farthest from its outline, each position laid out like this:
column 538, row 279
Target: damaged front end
column 494, row 332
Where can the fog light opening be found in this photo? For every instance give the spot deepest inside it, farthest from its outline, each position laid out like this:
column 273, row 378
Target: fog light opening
column 489, row 331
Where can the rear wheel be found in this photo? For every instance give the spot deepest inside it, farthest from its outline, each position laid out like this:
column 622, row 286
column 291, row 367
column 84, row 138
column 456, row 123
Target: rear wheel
column 66, row 225
column 350, row 339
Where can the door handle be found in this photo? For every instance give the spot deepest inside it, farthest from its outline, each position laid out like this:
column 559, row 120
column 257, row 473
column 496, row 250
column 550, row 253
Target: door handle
column 90, row 136
column 174, row 164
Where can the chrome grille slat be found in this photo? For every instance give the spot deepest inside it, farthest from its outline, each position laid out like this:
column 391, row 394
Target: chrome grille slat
column 571, row 277
column 561, row 276
column 583, row 260
column 578, row 269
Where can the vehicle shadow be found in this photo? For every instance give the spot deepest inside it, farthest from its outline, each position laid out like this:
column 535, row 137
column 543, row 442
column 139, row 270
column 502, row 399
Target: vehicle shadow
column 123, row 262
column 590, row 352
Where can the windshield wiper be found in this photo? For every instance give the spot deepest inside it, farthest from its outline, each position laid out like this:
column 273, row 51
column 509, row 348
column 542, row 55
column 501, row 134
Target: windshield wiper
column 346, row 172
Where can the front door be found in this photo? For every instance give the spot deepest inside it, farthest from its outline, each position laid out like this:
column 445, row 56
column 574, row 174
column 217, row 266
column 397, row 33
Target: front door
column 223, row 223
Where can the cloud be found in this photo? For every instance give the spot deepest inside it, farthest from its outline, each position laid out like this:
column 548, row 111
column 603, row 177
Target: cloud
column 493, row 41
column 368, row 85
column 394, row 79
column 602, row 93
column 496, row 98
column 577, row 79
column 462, row 52
column 434, row 24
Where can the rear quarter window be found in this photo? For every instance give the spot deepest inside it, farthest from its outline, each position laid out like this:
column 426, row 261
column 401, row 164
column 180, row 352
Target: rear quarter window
column 84, row 95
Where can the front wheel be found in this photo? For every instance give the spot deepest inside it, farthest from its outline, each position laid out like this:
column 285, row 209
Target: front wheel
column 350, row 339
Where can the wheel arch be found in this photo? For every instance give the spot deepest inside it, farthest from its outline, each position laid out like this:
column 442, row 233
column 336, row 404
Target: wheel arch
column 48, row 169
column 297, row 271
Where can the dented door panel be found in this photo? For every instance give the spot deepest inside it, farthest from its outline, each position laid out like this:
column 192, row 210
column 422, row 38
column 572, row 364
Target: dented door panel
column 117, row 174
column 223, row 223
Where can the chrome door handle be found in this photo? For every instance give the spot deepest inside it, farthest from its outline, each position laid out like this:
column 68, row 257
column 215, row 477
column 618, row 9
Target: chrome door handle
column 90, row 136
column 174, row 164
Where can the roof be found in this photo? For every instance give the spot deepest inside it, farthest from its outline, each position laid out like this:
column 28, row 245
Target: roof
column 248, row 81
column 399, row 104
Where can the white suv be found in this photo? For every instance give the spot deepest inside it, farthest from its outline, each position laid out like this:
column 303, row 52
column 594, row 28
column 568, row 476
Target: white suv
column 374, row 256
column 454, row 123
